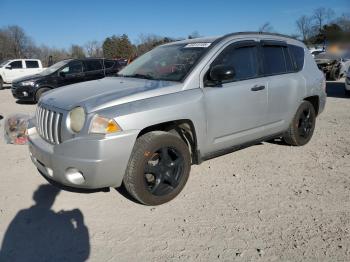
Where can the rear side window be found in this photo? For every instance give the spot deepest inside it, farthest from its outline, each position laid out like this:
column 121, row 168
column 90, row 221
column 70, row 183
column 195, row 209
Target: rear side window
column 93, row 65
column 16, row 64
column 32, row 64
column 274, row 60
column 243, row 59
column 297, row 53
column 109, row 64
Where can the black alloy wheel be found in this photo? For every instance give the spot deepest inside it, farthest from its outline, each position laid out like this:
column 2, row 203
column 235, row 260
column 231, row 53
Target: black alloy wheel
column 158, row 168
column 163, row 171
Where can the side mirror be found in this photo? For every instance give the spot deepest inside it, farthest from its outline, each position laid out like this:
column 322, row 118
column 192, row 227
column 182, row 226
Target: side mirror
column 220, row 73
column 62, row 74
column 9, row 67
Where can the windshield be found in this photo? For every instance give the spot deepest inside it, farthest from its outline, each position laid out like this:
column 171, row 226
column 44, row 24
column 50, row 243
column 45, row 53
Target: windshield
column 4, row 63
column 54, row 67
column 170, row 63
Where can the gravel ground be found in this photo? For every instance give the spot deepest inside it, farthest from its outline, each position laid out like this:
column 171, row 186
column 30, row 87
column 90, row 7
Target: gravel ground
column 268, row 202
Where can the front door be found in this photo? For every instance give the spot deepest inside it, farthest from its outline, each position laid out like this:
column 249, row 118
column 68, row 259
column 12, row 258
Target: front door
column 236, row 109
column 14, row 70
column 71, row 74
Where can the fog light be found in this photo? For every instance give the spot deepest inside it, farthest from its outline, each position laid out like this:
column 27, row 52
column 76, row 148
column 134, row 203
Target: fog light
column 25, row 93
column 74, row 176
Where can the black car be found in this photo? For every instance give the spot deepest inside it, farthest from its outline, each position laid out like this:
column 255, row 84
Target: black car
column 63, row 73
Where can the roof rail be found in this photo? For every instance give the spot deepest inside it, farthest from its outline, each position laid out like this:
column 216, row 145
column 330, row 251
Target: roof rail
column 256, row 33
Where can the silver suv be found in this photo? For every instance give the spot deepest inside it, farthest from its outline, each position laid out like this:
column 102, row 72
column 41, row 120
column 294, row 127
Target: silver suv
column 177, row 105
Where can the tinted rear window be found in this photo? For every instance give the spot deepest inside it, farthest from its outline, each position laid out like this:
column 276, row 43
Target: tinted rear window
column 32, row 64
column 274, row 60
column 93, row 65
column 109, row 63
column 297, row 53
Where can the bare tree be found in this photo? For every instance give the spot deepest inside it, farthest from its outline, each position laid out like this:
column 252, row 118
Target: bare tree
column 344, row 22
column 93, row 49
column 304, row 27
column 321, row 16
column 267, row 27
column 77, row 51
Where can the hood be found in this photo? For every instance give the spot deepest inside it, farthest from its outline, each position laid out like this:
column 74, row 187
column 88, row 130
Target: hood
column 109, row 91
column 28, row 78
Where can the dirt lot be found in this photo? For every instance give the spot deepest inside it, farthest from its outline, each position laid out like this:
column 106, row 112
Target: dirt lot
column 269, row 202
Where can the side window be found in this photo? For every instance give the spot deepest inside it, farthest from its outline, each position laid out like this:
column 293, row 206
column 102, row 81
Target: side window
column 274, row 60
column 297, row 53
column 243, row 59
column 32, row 64
column 109, row 64
column 73, row 68
column 93, row 65
column 16, row 64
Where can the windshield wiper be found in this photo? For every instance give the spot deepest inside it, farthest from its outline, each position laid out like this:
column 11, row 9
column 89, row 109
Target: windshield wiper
column 139, row 76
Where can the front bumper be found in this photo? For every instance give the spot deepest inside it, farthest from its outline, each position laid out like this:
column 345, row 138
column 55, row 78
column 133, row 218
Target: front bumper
column 22, row 92
column 102, row 160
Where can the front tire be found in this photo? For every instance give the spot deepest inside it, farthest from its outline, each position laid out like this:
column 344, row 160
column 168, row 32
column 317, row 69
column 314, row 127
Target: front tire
column 158, row 168
column 39, row 93
column 302, row 127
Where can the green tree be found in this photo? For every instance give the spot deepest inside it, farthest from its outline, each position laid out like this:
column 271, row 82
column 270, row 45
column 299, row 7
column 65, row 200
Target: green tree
column 118, row 47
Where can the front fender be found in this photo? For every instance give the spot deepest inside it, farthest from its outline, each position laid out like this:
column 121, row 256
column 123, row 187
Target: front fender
column 186, row 104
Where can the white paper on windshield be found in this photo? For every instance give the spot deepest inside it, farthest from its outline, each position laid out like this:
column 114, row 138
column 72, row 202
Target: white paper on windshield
column 200, row 45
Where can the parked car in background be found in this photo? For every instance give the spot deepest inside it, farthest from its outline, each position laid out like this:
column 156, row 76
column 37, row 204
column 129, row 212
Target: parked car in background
column 316, row 51
column 345, row 63
column 347, row 83
column 16, row 68
column 63, row 73
column 330, row 64
column 177, row 105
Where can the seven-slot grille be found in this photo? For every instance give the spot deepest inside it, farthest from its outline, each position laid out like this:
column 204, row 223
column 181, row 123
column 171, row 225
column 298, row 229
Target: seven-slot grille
column 49, row 124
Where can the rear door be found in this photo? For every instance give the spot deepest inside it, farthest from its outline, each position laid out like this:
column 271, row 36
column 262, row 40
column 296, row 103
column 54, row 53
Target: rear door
column 32, row 67
column 284, row 84
column 93, row 69
column 236, row 110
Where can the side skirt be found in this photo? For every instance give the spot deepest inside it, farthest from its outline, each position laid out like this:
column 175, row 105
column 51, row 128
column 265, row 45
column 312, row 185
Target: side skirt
column 235, row 148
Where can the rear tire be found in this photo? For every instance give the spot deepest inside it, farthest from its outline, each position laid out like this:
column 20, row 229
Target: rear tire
column 334, row 74
column 1, row 84
column 39, row 93
column 347, row 92
column 302, row 127
column 158, row 168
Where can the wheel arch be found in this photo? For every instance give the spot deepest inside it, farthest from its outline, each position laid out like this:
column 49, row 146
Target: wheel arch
column 184, row 128
column 315, row 101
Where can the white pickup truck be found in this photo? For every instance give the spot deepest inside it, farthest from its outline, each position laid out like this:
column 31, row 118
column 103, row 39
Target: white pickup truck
column 16, row 68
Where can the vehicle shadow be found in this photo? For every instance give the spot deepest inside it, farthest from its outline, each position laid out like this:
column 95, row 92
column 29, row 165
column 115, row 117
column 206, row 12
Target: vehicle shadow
column 41, row 234
column 20, row 102
column 121, row 190
column 335, row 89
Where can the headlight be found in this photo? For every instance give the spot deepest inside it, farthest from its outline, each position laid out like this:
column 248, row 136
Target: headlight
column 76, row 119
column 103, row 125
column 27, row 83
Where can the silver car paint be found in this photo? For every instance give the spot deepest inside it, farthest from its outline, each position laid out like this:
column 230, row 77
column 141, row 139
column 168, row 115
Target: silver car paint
column 222, row 116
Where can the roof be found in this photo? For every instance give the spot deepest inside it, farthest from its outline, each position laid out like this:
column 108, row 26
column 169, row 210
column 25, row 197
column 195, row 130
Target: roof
column 219, row 38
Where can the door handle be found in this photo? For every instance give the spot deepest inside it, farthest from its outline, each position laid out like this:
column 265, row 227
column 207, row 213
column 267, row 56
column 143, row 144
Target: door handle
column 257, row 88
